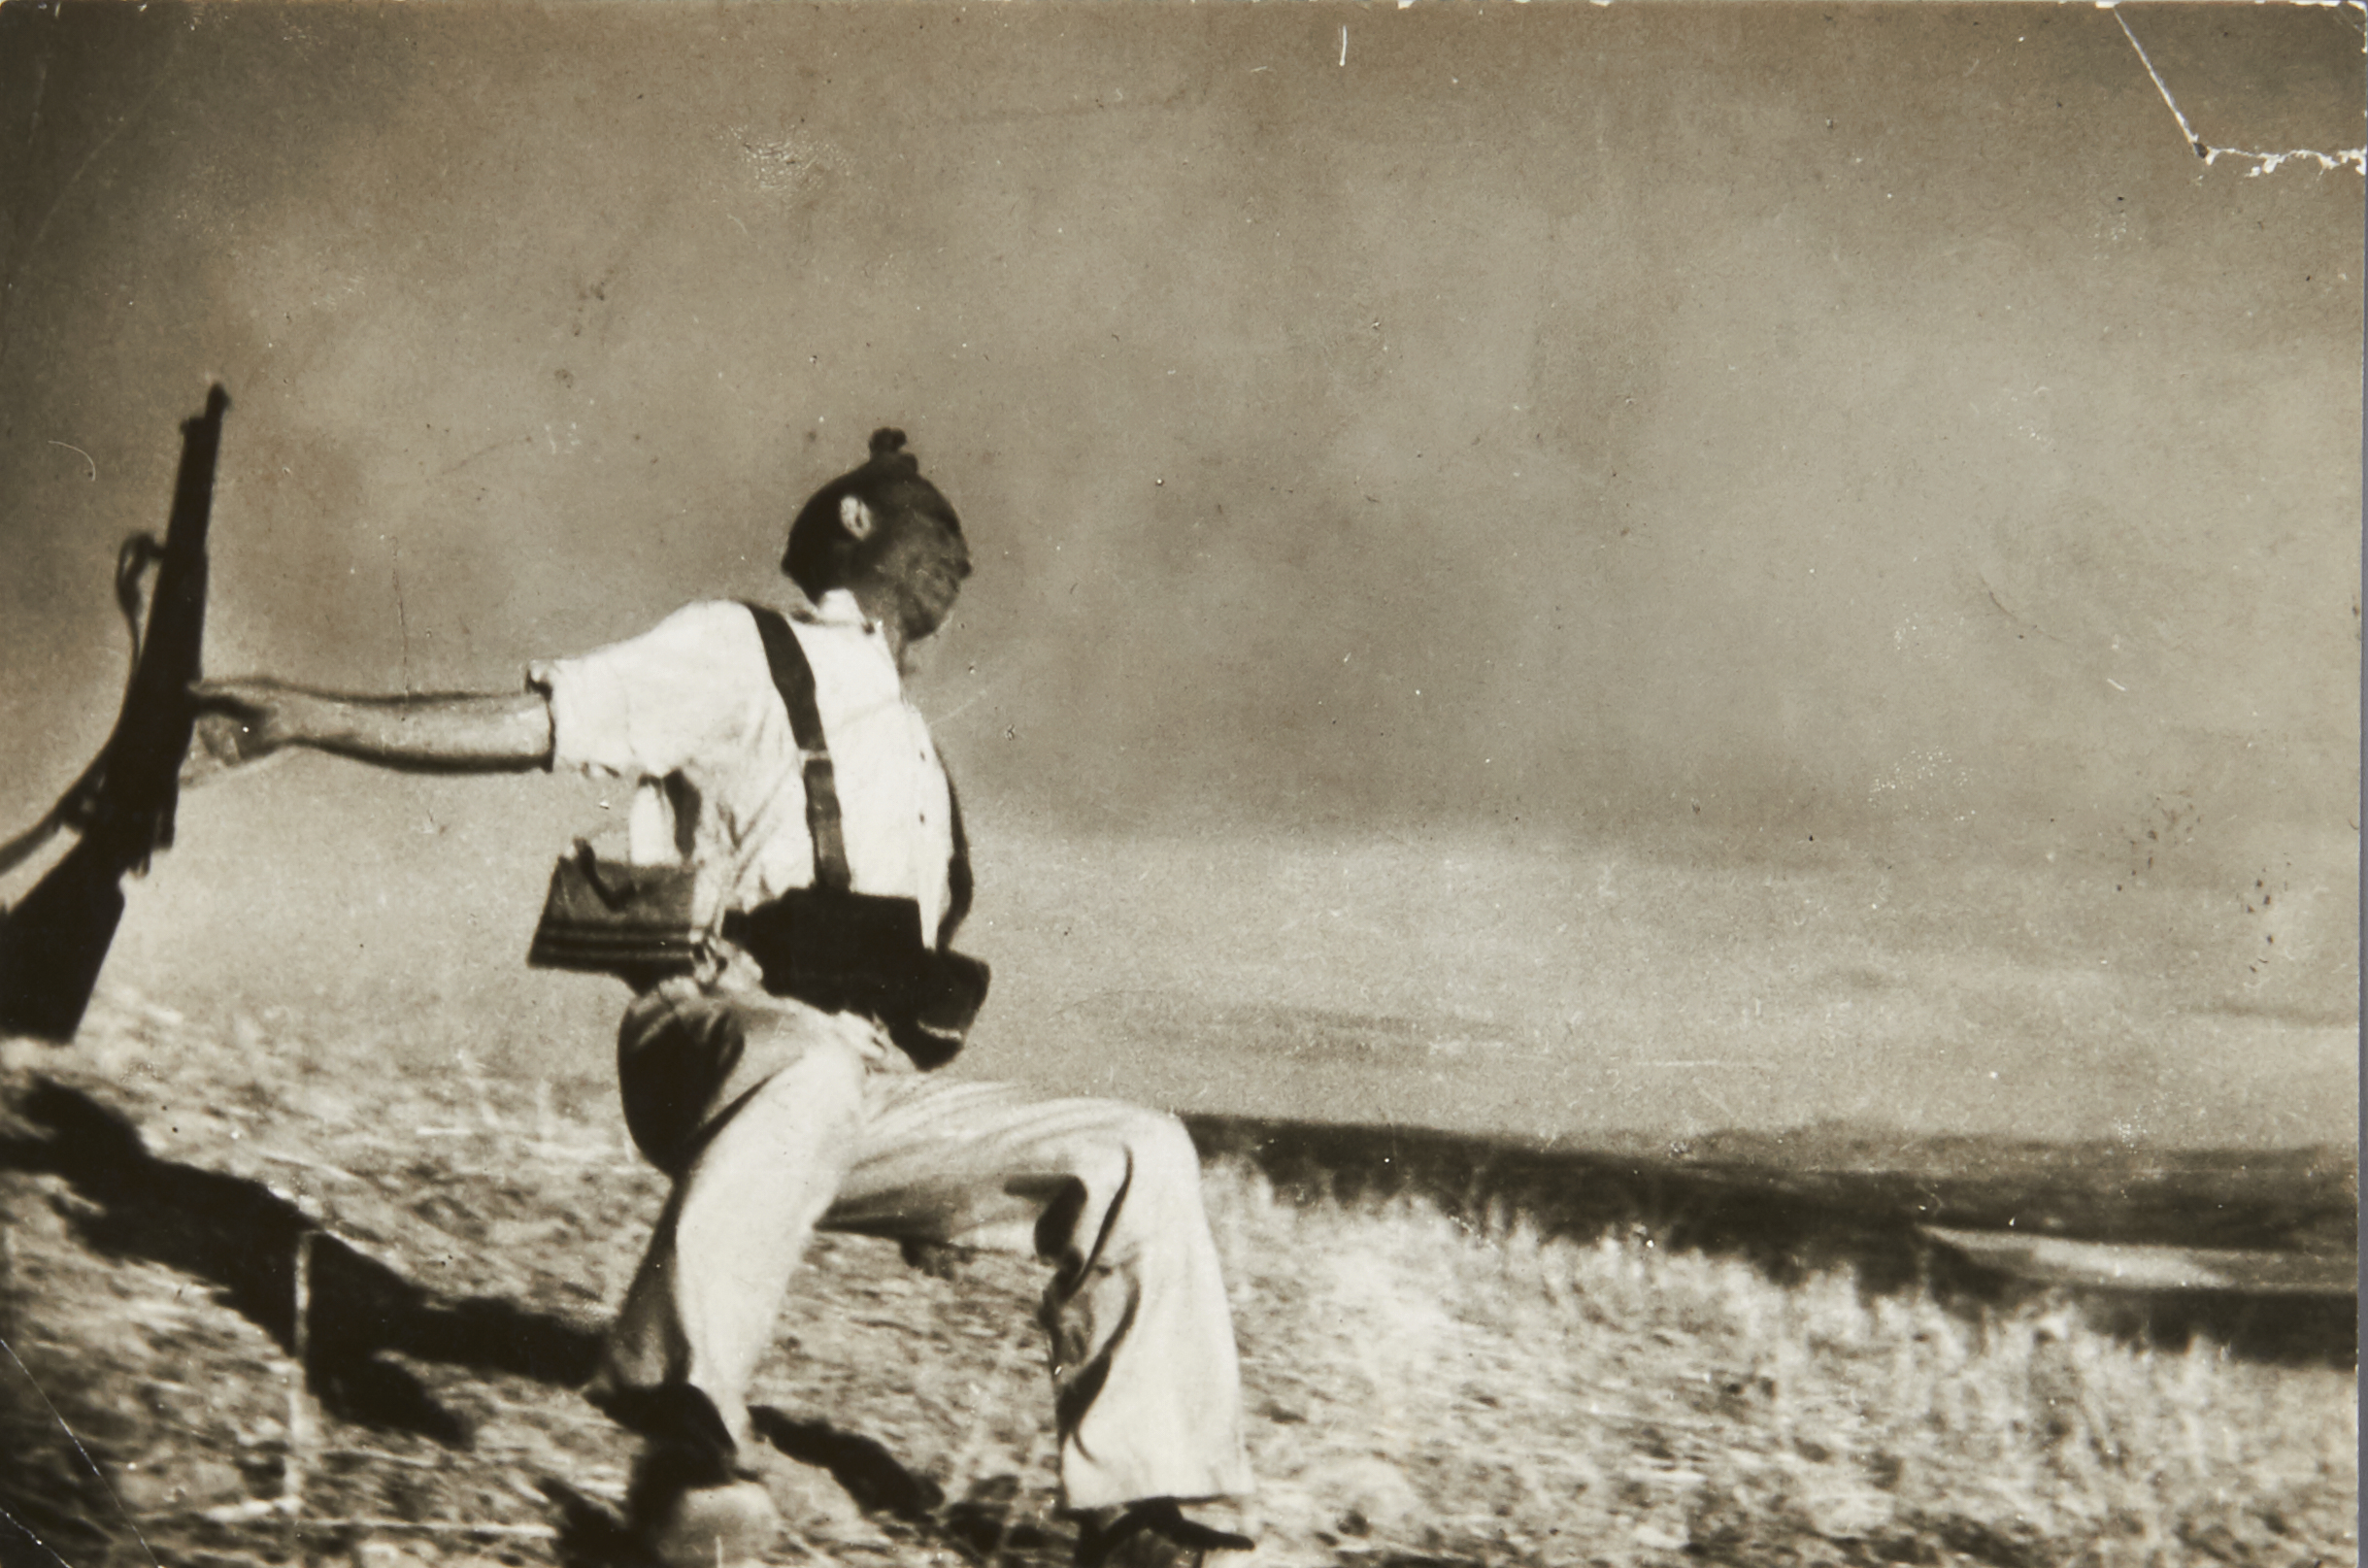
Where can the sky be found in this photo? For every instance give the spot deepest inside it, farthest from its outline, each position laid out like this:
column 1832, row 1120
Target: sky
column 1694, row 429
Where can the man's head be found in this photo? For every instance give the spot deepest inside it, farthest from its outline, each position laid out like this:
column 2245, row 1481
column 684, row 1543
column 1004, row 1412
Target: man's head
column 885, row 535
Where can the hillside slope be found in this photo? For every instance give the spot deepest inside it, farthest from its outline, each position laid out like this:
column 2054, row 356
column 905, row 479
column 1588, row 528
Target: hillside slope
column 1436, row 1375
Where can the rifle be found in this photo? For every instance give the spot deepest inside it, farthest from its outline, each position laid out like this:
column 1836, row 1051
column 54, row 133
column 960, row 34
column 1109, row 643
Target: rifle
column 53, row 942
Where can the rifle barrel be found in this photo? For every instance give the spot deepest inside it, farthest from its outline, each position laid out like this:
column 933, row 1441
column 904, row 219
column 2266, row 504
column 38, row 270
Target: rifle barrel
column 54, row 943
column 144, row 755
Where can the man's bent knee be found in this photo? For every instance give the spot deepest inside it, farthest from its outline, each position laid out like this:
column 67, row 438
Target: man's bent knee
column 1156, row 1141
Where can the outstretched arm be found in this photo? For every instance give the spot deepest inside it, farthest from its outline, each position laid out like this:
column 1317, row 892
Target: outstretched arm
column 458, row 732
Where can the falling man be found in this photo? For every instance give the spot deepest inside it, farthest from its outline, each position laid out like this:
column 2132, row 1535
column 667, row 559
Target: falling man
column 794, row 875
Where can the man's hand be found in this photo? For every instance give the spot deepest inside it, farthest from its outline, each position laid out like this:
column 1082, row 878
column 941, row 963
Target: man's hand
column 239, row 724
column 253, row 710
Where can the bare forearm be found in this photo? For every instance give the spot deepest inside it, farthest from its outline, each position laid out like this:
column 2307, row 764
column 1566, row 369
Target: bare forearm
column 463, row 732
column 460, row 733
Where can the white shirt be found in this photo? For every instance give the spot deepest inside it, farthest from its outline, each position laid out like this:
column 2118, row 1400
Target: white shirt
column 688, row 713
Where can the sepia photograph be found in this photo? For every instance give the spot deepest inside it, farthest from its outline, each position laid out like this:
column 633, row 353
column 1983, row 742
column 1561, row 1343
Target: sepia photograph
column 1214, row 783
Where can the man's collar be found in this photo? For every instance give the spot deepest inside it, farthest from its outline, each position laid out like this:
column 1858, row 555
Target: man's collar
column 835, row 607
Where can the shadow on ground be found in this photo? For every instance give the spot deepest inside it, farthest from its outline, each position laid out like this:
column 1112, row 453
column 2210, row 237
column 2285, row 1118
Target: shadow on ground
column 243, row 1238
column 1825, row 1201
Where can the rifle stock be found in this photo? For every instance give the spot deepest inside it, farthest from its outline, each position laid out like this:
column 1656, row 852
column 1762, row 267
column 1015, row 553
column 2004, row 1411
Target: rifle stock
column 54, row 943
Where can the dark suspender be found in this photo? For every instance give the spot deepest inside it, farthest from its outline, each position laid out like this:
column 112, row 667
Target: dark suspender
column 959, row 886
column 848, row 951
column 793, row 678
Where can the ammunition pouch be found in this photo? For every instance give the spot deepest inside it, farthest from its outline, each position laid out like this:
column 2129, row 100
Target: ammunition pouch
column 603, row 917
column 846, row 951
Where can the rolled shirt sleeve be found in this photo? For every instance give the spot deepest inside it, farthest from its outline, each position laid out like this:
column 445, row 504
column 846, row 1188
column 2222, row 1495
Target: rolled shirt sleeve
column 645, row 707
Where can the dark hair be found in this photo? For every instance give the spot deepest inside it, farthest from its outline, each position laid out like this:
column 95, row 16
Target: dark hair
column 822, row 552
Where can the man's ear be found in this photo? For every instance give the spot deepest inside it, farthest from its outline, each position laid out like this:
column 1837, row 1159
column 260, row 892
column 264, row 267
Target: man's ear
column 854, row 516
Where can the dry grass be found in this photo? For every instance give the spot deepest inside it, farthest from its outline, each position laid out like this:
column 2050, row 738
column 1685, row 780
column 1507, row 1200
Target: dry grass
column 1423, row 1389
column 1512, row 1398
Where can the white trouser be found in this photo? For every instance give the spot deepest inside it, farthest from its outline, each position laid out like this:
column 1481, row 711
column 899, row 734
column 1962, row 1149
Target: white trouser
column 773, row 1119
